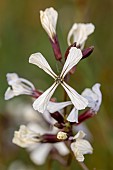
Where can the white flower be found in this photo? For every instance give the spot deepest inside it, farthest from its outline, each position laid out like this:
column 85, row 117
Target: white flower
column 81, row 146
column 79, row 33
column 93, row 96
column 18, row 86
column 40, row 151
column 25, row 137
column 62, row 135
column 49, row 20
column 19, row 165
column 73, row 58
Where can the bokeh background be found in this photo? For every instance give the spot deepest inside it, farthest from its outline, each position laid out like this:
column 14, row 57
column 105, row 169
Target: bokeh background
column 21, row 34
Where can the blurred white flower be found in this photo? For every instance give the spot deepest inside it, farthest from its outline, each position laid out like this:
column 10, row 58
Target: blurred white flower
column 79, row 33
column 94, row 97
column 22, row 112
column 48, row 20
column 40, row 151
column 81, row 146
column 25, row 137
column 73, row 58
column 18, row 86
column 19, row 165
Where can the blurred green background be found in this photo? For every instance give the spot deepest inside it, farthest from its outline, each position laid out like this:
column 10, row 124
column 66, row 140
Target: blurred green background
column 21, row 34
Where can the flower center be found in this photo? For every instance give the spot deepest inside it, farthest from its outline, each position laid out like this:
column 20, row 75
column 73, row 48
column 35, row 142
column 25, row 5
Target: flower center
column 59, row 80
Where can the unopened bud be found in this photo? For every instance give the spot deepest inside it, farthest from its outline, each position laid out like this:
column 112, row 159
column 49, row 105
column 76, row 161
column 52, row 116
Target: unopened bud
column 86, row 52
column 61, row 135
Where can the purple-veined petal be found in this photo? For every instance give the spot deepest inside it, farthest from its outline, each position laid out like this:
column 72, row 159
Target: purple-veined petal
column 73, row 116
column 78, row 101
column 73, row 58
column 41, row 62
column 41, row 103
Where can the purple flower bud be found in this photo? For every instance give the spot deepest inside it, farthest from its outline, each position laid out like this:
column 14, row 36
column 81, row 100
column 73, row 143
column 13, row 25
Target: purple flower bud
column 86, row 52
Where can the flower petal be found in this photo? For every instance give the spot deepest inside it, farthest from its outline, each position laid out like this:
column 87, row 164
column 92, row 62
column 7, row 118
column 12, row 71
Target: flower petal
column 89, row 28
column 39, row 155
column 49, row 20
column 9, row 94
column 61, row 148
column 57, row 106
column 41, row 103
column 79, row 33
column 73, row 116
column 25, row 137
column 79, row 135
column 18, row 86
column 41, row 62
column 93, row 96
column 73, row 58
column 78, row 101
column 81, row 147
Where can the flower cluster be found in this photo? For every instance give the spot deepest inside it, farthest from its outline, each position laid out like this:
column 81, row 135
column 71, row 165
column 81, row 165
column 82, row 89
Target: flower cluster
column 60, row 137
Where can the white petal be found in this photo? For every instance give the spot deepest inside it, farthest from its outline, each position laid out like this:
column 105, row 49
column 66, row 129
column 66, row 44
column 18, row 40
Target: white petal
column 9, row 94
column 90, row 96
column 93, row 96
column 61, row 148
column 49, row 20
column 25, row 137
column 83, row 127
column 79, row 33
column 41, row 103
column 12, row 77
column 18, row 86
column 28, row 83
column 78, row 101
column 39, row 155
column 73, row 116
column 36, row 128
column 79, row 135
column 53, row 106
column 90, row 28
column 70, row 34
column 81, row 147
column 48, row 118
column 73, row 58
column 41, row 62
